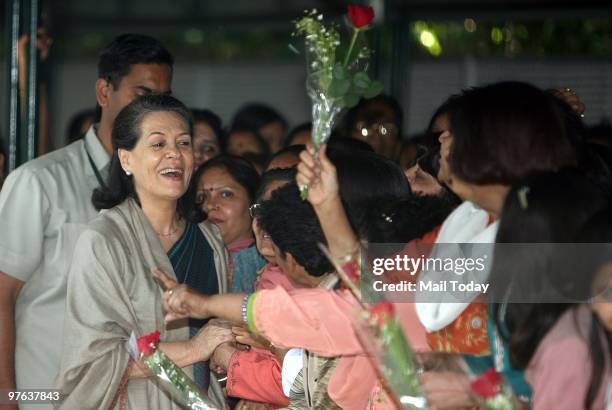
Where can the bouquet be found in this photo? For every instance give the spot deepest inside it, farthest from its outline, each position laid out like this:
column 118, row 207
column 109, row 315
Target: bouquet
column 493, row 394
column 382, row 337
column 331, row 83
column 145, row 351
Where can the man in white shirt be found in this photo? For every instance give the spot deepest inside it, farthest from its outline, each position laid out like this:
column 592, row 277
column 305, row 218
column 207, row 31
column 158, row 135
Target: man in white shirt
column 43, row 206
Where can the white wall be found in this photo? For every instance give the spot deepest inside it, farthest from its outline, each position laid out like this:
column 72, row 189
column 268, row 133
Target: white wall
column 225, row 87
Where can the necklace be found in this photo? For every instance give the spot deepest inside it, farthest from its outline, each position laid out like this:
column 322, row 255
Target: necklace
column 165, row 235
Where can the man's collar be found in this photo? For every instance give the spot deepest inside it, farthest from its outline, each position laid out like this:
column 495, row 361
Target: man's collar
column 95, row 148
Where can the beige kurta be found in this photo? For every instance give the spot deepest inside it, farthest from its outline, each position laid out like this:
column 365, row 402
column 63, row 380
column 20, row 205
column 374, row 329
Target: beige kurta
column 112, row 292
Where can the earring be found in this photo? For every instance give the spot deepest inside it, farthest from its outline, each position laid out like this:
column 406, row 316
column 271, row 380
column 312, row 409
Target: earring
column 128, row 173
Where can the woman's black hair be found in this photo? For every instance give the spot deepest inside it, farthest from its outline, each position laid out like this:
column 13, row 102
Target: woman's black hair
column 347, row 144
column 240, row 169
column 401, row 220
column 294, row 228
column 545, row 211
column 213, row 121
column 363, row 177
column 126, row 133
column 505, row 131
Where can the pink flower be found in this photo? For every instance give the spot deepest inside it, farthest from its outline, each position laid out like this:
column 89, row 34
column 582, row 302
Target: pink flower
column 488, row 385
column 148, row 344
column 360, row 16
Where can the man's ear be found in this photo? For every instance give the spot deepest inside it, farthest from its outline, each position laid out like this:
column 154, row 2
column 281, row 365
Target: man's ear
column 102, row 91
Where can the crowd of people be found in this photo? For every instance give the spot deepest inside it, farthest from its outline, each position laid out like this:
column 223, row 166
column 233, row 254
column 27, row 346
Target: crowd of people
column 158, row 217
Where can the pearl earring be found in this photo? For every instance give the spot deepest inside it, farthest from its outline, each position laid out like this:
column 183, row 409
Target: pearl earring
column 128, row 173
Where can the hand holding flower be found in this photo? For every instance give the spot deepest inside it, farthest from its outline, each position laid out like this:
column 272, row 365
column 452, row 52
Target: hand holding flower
column 320, row 176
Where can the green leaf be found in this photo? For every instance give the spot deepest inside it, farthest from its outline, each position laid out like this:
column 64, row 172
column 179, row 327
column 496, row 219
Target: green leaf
column 362, row 81
column 375, row 88
column 340, row 72
column 338, row 87
column 350, row 100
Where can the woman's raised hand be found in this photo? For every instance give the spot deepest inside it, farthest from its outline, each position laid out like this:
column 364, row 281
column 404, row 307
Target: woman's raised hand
column 180, row 300
column 319, row 176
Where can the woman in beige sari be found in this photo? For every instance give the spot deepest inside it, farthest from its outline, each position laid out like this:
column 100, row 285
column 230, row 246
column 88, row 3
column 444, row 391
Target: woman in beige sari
column 111, row 289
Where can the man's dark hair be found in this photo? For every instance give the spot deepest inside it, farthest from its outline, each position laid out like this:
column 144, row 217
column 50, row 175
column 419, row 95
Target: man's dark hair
column 116, row 59
column 294, row 228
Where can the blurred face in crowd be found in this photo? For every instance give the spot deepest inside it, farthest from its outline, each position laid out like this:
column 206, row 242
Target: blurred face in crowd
column 243, row 142
column 273, row 133
column 287, row 160
column 262, row 239
column 301, row 138
column 162, row 161
column 205, row 143
column 226, row 204
column 143, row 79
column 378, row 128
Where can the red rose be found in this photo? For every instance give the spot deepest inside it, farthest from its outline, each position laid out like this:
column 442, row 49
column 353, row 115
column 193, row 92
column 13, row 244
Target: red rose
column 148, row 344
column 351, row 270
column 488, row 385
column 381, row 312
column 360, row 16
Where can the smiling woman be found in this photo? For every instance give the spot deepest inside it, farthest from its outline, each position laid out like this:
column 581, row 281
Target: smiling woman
column 221, row 192
column 142, row 227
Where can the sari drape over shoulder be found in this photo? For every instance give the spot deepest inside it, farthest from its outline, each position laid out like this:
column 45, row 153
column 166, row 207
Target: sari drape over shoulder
column 112, row 292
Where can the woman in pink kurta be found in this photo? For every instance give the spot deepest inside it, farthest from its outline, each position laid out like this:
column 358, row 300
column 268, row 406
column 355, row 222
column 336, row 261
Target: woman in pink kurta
column 326, row 321
column 570, row 378
column 256, row 374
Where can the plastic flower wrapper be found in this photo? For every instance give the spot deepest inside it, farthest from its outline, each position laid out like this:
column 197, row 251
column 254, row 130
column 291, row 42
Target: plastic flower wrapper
column 171, row 378
column 491, row 391
column 382, row 337
column 333, row 84
column 381, row 334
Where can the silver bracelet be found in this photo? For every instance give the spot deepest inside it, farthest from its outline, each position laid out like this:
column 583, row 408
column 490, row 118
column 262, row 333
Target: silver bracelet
column 245, row 302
